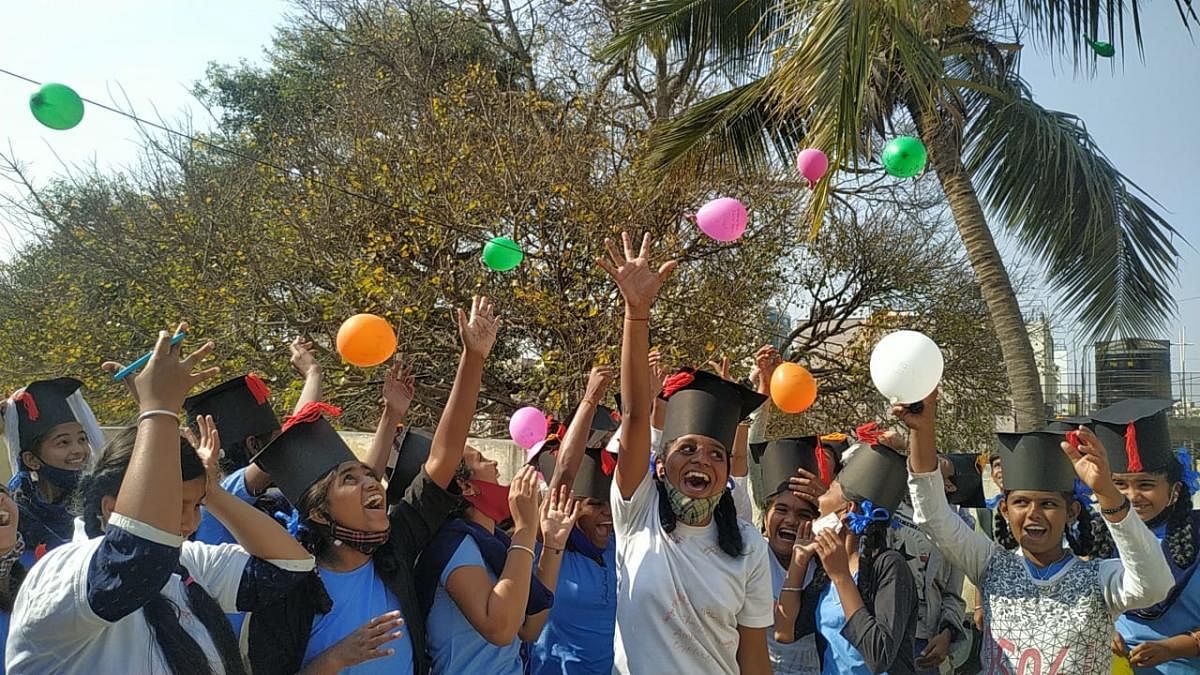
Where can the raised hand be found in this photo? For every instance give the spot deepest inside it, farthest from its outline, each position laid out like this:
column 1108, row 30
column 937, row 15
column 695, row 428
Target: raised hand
column 638, row 282
column 918, row 420
column 721, row 368
column 114, row 367
column 1091, row 464
column 659, row 372
column 208, row 448
column 599, row 380
column 399, row 388
column 169, row 376
column 365, row 643
column 766, row 360
column 805, row 547
column 478, row 330
column 304, row 356
column 831, row 547
column 559, row 511
column 523, row 499
column 806, row 485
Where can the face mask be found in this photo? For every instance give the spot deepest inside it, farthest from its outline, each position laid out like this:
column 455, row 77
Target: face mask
column 62, row 479
column 832, row 521
column 362, row 541
column 691, row 510
column 491, row 500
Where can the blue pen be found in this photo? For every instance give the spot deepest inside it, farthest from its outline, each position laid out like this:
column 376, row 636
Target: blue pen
column 141, row 363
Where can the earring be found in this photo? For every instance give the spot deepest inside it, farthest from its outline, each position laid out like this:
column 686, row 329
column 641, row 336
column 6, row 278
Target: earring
column 337, row 542
column 33, row 475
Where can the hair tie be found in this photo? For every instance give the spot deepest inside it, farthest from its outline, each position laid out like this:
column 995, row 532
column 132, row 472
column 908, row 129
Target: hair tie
column 859, row 522
column 1190, row 477
column 1083, row 493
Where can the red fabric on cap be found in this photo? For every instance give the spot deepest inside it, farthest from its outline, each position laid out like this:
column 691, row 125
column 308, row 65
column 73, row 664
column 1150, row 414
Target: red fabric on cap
column 258, row 388
column 310, row 413
column 26, row 399
column 823, row 466
column 869, row 433
column 608, row 462
column 1133, row 458
column 676, row 382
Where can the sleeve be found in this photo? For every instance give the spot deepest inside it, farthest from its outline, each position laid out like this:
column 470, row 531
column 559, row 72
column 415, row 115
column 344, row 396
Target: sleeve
column 420, row 513
column 878, row 632
column 639, row 511
column 758, row 609
column 1141, row 577
column 235, row 484
column 466, row 555
column 965, row 548
column 656, row 442
column 222, row 570
column 954, row 608
column 741, row 498
column 131, row 565
column 263, row 582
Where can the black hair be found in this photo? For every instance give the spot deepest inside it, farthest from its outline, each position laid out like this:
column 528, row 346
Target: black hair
column 729, row 533
column 179, row 649
column 316, row 538
column 1001, row 533
column 1090, row 537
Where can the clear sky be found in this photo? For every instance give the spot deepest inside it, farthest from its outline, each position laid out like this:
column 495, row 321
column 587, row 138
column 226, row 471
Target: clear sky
column 1144, row 113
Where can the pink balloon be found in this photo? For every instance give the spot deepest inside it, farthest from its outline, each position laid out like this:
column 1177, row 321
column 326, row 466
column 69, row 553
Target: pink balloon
column 812, row 164
column 527, row 427
column 722, row 219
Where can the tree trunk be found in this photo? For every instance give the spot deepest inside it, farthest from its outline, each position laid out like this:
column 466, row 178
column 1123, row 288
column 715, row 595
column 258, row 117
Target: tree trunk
column 1029, row 408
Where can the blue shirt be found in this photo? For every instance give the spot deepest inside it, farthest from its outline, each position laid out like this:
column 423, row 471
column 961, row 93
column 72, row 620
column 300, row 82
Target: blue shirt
column 840, row 657
column 456, row 647
column 358, row 597
column 210, row 530
column 1182, row 617
column 579, row 632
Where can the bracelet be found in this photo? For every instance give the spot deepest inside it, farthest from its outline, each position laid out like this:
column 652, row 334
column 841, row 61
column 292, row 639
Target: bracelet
column 556, row 551
column 594, row 404
column 633, row 318
column 157, row 413
column 1114, row 511
column 791, row 589
column 519, row 547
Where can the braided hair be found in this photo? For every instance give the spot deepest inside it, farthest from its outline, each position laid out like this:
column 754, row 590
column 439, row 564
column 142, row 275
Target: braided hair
column 1001, row 532
column 1090, row 537
column 1181, row 537
column 179, row 649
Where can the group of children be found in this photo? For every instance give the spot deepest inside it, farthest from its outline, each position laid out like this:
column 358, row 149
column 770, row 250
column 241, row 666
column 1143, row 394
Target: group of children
column 625, row 545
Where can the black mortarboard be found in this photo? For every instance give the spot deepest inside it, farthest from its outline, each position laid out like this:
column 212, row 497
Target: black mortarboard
column 781, row 457
column 591, row 482
column 411, row 449
column 706, row 405
column 604, row 423
column 968, row 481
column 41, row 406
column 1061, row 425
column 307, row 449
column 875, row 473
column 241, row 408
column 1135, row 434
column 1035, row 461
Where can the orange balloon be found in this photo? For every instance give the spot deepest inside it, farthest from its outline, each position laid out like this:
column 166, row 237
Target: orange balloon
column 793, row 388
column 366, row 340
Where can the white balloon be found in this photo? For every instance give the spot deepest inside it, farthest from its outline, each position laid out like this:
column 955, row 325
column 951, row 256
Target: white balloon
column 906, row 366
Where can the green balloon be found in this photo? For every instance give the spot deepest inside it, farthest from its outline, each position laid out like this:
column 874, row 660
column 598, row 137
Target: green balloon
column 502, row 254
column 1104, row 49
column 56, row 106
column 904, row 157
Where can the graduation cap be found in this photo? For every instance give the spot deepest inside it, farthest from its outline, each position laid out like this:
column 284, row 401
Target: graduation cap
column 604, row 424
column 241, row 408
column 1035, row 461
column 875, row 473
column 409, row 452
column 968, row 481
column 1062, row 425
column 781, row 457
column 594, row 477
column 1135, row 435
column 307, row 448
column 706, row 405
column 40, row 407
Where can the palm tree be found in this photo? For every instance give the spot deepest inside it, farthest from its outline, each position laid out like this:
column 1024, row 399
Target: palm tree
column 841, row 74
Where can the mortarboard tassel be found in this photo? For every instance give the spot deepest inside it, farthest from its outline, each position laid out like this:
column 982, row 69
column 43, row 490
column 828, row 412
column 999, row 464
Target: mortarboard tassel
column 310, row 413
column 676, row 382
column 258, row 388
column 1133, row 458
column 823, row 467
column 608, row 462
column 868, row 433
column 26, row 399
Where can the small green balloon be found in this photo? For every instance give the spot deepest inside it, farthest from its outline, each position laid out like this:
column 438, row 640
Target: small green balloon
column 502, row 254
column 1104, row 49
column 904, row 157
column 56, row 106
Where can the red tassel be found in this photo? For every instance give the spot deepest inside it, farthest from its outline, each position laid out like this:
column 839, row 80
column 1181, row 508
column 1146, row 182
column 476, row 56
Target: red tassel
column 258, row 388
column 823, row 466
column 1133, row 458
column 676, row 382
column 608, row 462
column 26, row 399
column 311, row 412
column 869, row 433
column 615, row 417
column 39, row 551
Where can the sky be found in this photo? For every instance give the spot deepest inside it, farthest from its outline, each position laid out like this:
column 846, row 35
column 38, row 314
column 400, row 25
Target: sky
column 1142, row 111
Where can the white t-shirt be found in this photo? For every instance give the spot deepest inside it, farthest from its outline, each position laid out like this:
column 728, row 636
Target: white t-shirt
column 54, row 629
column 680, row 598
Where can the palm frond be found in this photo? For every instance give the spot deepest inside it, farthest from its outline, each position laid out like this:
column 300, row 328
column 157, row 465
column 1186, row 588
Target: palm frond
column 1062, row 25
column 732, row 28
column 1106, row 248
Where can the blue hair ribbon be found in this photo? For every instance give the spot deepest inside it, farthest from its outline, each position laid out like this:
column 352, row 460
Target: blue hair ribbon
column 289, row 522
column 1083, row 493
column 993, row 502
column 859, row 522
column 1190, row 477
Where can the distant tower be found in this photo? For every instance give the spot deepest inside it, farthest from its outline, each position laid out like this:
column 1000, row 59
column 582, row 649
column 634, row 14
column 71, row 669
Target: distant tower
column 1132, row 368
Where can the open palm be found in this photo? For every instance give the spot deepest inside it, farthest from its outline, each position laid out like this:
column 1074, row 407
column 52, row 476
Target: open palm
column 638, row 281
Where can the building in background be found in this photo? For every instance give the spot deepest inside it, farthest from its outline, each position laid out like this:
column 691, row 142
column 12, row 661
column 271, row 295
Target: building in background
column 1041, row 338
column 778, row 325
column 1132, row 368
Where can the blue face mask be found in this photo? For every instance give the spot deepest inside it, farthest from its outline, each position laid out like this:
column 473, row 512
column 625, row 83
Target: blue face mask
column 63, row 479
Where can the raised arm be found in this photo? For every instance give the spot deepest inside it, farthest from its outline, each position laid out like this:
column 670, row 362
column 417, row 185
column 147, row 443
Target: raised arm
column 570, row 453
column 478, row 334
column 304, row 360
column 788, row 606
column 399, row 387
column 639, row 285
column 559, row 512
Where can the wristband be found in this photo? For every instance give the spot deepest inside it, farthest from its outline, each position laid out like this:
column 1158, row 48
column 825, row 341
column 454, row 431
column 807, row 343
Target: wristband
column 791, row 589
column 519, row 547
column 157, row 413
column 634, row 318
column 1114, row 511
